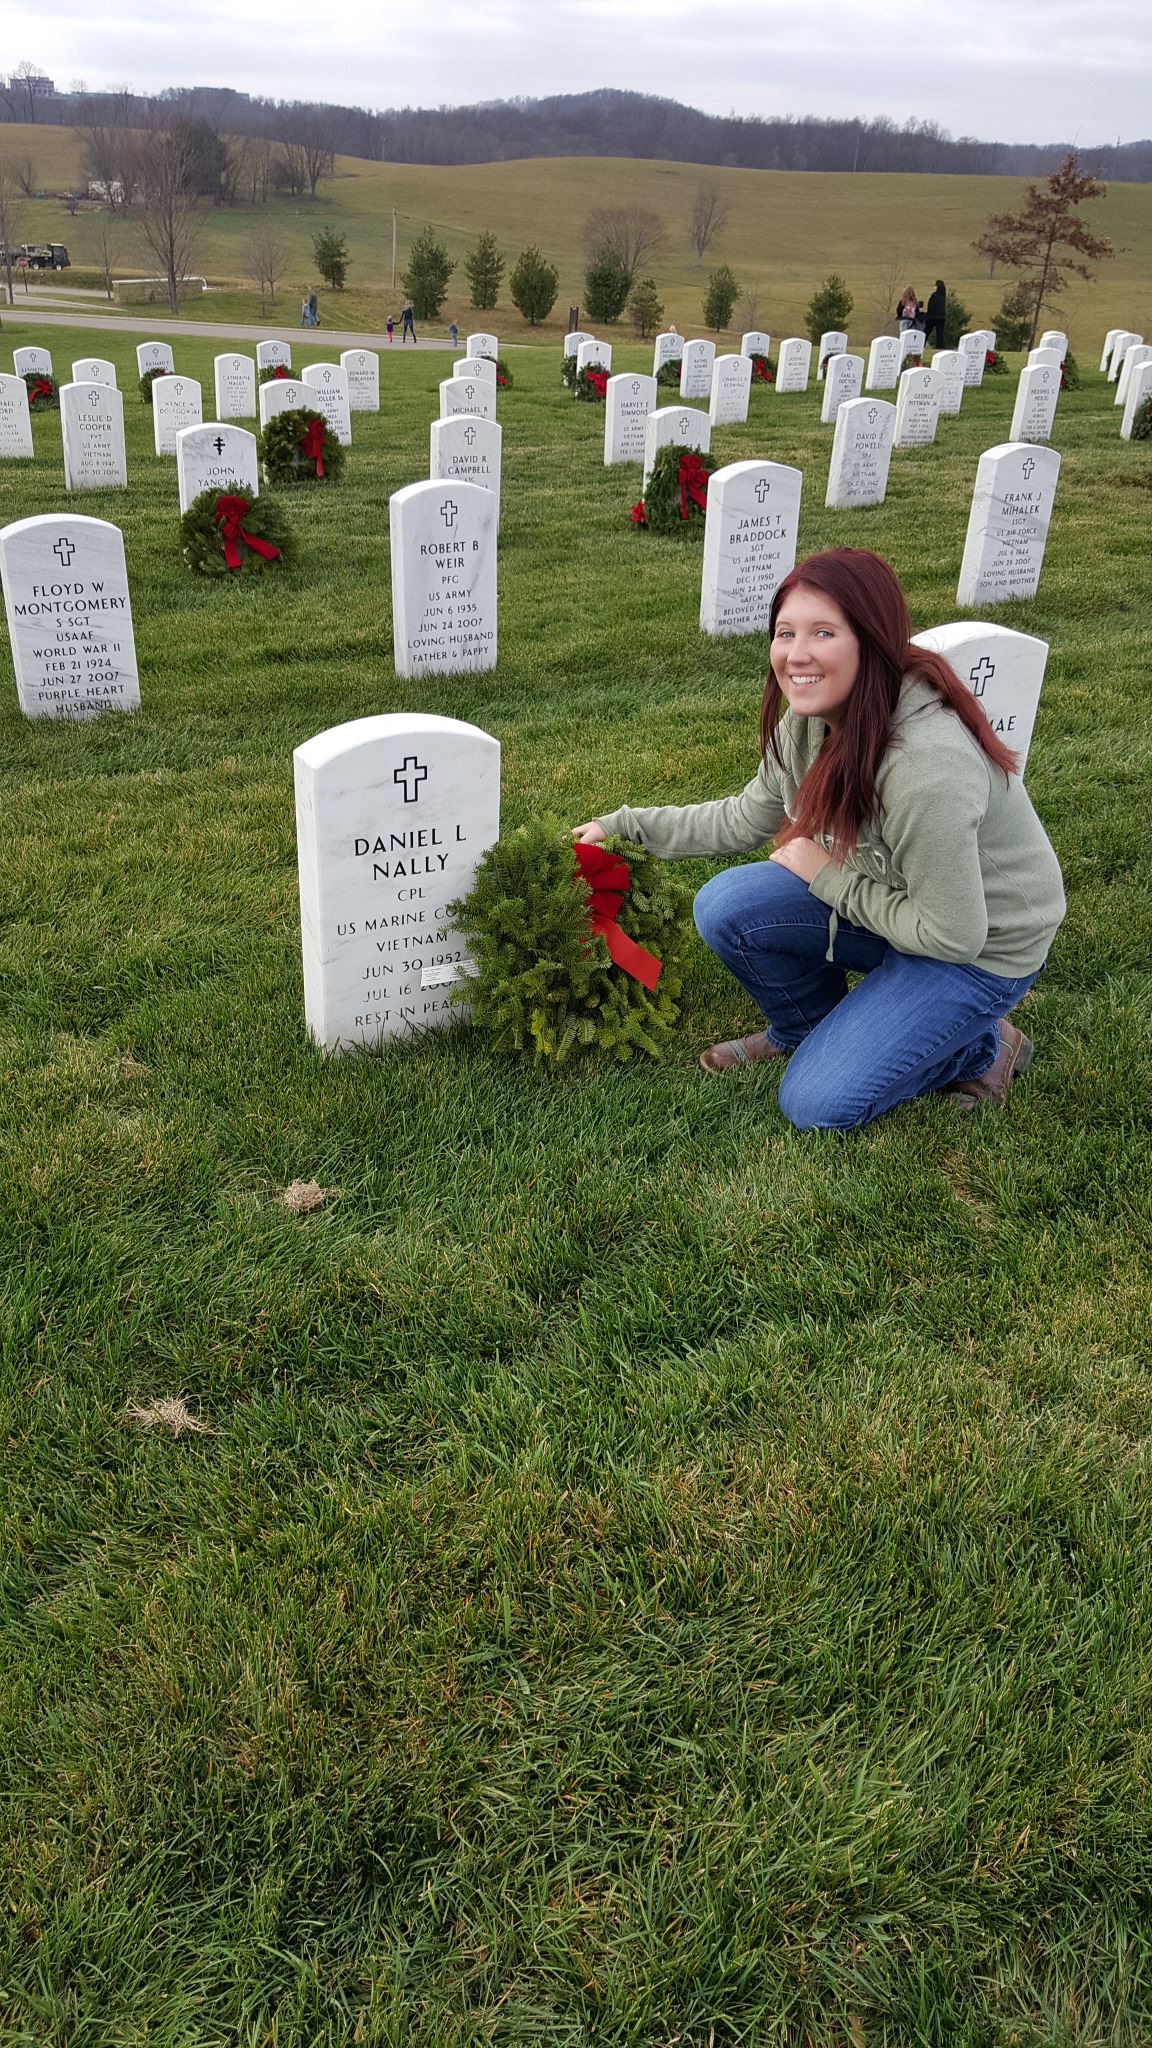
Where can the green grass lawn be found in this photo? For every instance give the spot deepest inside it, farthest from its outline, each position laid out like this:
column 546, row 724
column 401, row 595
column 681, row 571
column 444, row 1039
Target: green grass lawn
column 648, row 1577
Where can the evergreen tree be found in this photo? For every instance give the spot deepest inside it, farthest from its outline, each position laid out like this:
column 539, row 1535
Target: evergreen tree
column 484, row 269
column 534, row 284
column 828, row 308
column 645, row 307
column 606, row 287
column 719, row 299
column 426, row 278
column 957, row 321
column 1013, row 320
column 330, row 255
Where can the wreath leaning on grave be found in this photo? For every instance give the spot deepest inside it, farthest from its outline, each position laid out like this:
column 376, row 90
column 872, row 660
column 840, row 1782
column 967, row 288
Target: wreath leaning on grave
column 677, row 495
column 576, row 948
column 568, row 371
column 148, row 380
column 763, row 370
column 224, row 532
column 994, row 365
column 668, row 375
column 272, row 373
column 592, row 384
column 1069, row 373
column 299, row 447
column 42, row 393
column 503, row 373
column 1142, row 424
column 912, row 363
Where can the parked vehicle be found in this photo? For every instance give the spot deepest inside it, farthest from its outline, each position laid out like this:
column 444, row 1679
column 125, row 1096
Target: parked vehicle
column 45, row 256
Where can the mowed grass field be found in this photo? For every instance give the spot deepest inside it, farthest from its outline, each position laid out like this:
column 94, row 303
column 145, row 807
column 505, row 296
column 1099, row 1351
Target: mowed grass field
column 645, row 1577
column 785, row 232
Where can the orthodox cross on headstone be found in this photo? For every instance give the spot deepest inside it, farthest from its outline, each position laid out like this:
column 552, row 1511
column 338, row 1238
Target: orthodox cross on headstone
column 411, row 774
column 64, row 550
column 448, row 513
column 1029, row 466
column 219, row 444
column 762, row 490
column 981, row 675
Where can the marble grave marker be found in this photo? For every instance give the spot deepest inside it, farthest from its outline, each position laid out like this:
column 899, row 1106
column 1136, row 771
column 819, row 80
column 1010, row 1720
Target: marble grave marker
column 215, row 457
column 15, row 419
column 731, row 386
column 668, row 348
column 883, row 364
column 948, row 371
column 443, row 539
column 628, row 401
column 842, row 381
column 861, row 453
column 1139, row 393
column 234, row 380
column 1035, row 407
column 832, row 343
column 92, row 431
column 680, row 424
column 917, row 409
column 755, row 343
column 361, row 366
column 69, row 616
column 283, row 394
column 1008, row 523
column 176, row 403
column 482, row 345
column 594, row 355
column 1003, row 669
column 749, row 544
column 467, row 450
column 696, row 369
column 154, row 355
column 270, row 353
column 327, row 388
column 476, row 366
column 32, row 362
column 94, row 370
column 794, row 364
column 1138, row 352
column 472, row 395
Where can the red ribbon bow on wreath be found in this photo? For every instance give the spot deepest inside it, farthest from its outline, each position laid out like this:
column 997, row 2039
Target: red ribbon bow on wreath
column 598, row 379
column 312, row 445
column 692, row 478
column 42, row 388
column 279, row 370
column 228, row 513
column 608, row 882
column 761, row 369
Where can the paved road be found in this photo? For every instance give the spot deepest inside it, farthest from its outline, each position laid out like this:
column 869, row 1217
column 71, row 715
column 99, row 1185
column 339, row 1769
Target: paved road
column 222, row 330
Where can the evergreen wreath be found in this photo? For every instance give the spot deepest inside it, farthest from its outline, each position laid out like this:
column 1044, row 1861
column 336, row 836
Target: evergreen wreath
column 273, row 373
column 545, row 981
column 668, row 375
column 763, row 370
column 912, row 363
column 568, row 371
column 1142, row 424
column 994, row 364
column 282, row 449
column 148, row 380
column 202, row 535
column 42, row 393
column 592, row 384
column 1069, row 374
column 503, row 373
column 671, row 504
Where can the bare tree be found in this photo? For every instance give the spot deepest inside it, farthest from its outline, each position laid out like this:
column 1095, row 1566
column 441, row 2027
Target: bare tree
column 307, row 147
column 105, row 242
column 265, row 260
column 627, row 235
column 10, row 221
column 21, row 82
column 26, row 176
column 169, row 223
column 254, row 168
column 888, row 282
column 708, row 219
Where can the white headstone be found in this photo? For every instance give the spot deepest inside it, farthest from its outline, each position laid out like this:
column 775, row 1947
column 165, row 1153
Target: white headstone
column 842, row 380
column 361, row 366
column 94, row 370
column 917, row 409
column 594, row 355
column 15, row 419
column 154, row 355
column 861, row 453
column 1035, row 407
column 328, row 391
column 696, row 369
column 467, row 394
column 1138, row 352
column 749, row 544
column 443, row 578
column 911, row 343
column 283, row 394
column 215, row 457
column 948, row 371
column 669, row 348
column 678, row 424
column 176, row 403
column 832, row 343
column 756, row 343
column 1110, row 339
column 1139, row 393
column 628, row 401
column 1008, row 524
column 92, row 431
column 69, row 616
column 883, row 364
column 971, row 347
column 1003, row 669
column 482, row 345
column 270, row 353
column 32, row 362
column 572, row 341
column 1055, row 337
column 731, row 385
column 467, row 451
column 1124, row 341
column 481, row 367
column 1044, row 359
column 393, row 815
column 794, row 364
column 988, row 337
column 234, row 377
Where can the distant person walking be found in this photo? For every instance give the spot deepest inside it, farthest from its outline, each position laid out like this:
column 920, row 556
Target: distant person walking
column 313, row 310
column 908, row 312
column 935, row 314
column 305, row 318
column 390, row 324
column 407, row 323
column 454, row 334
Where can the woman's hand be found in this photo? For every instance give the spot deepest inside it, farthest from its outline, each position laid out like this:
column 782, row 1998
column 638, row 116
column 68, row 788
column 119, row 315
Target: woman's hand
column 801, row 857
column 589, row 835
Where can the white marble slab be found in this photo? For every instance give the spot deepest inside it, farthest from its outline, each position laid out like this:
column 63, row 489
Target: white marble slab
column 667, row 348
column 861, row 453
column 15, row 420
column 794, row 365
column 154, row 355
column 594, row 355
column 474, row 395
column 731, row 387
column 948, row 371
column 679, row 424
column 883, row 364
column 749, row 544
column 215, row 457
column 629, row 399
column 361, row 366
column 696, row 369
column 843, row 377
column 176, row 402
column 1139, row 392
column 832, row 343
column 283, row 394
column 94, row 370
column 234, row 386
column 69, row 616
column 1035, row 408
column 270, row 353
column 1008, row 524
column 476, row 366
column 327, row 388
column 755, row 343
column 32, row 361
column 92, row 433
column 917, row 409
column 1003, row 669
column 467, row 450
column 482, row 345
column 443, row 538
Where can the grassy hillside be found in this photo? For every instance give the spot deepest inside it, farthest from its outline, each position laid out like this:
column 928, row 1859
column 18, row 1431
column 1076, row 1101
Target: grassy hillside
column 785, row 231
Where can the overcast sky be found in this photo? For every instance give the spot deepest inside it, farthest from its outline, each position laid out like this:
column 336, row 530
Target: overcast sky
column 1008, row 70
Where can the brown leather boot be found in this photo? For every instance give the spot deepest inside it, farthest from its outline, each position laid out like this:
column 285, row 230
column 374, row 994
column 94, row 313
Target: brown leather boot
column 1015, row 1056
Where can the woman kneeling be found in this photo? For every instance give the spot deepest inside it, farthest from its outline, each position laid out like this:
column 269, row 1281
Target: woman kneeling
column 905, row 850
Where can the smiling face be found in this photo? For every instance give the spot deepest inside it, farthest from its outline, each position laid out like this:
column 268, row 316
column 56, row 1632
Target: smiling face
column 815, row 655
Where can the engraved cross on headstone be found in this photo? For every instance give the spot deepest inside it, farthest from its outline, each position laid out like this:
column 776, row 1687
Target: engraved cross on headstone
column 981, row 675
column 469, row 435
column 64, row 551
column 448, row 513
column 411, row 773
column 762, row 490
column 219, row 444
column 1029, row 466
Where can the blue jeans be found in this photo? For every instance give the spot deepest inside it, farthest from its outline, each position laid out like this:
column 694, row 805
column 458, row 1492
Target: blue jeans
column 912, row 1025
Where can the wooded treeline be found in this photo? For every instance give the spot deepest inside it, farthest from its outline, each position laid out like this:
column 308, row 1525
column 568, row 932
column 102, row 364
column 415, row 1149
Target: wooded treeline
column 606, row 123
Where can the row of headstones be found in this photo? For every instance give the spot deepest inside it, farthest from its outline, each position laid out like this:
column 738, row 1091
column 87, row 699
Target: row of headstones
column 234, row 375
column 471, row 389
column 1126, row 361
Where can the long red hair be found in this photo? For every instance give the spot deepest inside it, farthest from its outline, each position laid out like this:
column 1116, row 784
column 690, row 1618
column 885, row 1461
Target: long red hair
column 839, row 791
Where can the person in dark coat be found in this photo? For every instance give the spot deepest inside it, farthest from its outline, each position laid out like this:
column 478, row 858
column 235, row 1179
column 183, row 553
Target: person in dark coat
column 935, row 313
